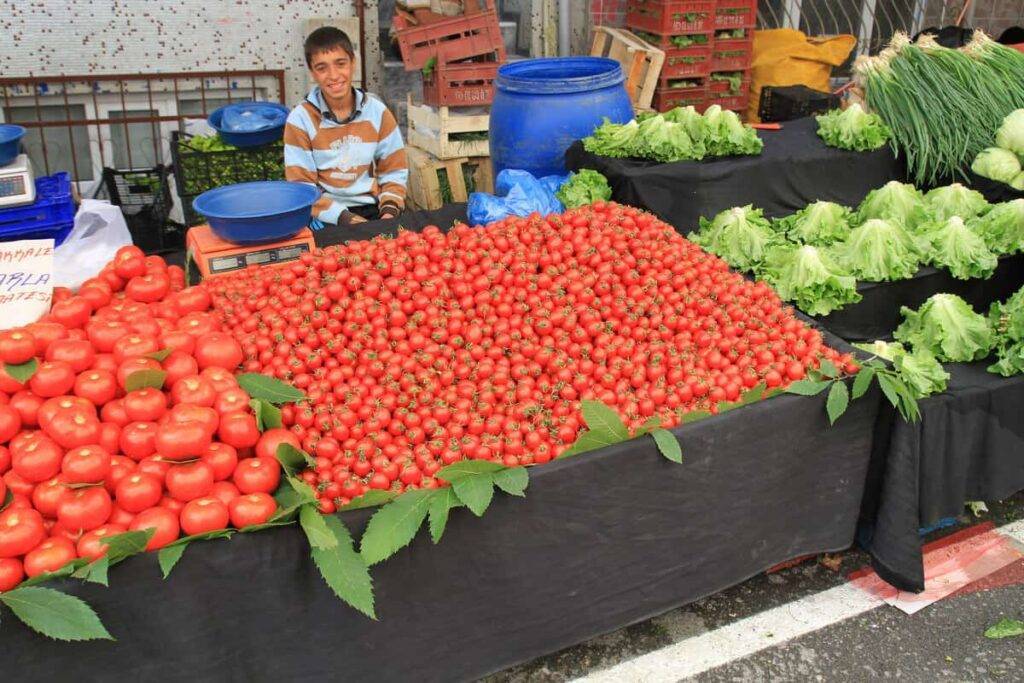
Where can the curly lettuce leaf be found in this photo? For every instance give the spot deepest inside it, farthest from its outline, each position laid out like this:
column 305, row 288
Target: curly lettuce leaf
column 922, row 372
column 728, row 135
column 810, row 279
column 952, row 245
column 819, row 224
column 741, row 236
column 613, row 139
column 1007, row 321
column 1002, row 228
column 996, row 164
column 948, row 327
column 955, row 200
column 894, row 201
column 1010, row 135
column 584, row 187
column 879, row 250
column 853, row 129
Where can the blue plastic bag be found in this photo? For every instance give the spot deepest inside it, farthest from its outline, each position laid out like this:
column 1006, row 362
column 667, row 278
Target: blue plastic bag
column 249, row 118
column 518, row 193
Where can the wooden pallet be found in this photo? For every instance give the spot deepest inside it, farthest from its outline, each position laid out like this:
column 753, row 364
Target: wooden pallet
column 432, row 129
column 641, row 62
column 425, row 180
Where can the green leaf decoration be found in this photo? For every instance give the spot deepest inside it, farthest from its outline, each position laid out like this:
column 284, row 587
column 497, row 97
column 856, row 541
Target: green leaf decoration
column 269, row 389
column 127, row 544
column 467, row 468
column 837, row 402
column 863, row 381
column 604, row 420
column 889, row 389
column 95, row 571
column 267, row 525
column 441, row 501
column 268, row 416
column 292, row 459
column 70, row 569
column 512, row 480
column 476, row 492
column 652, row 423
column 145, row 379
column 371, row 499
column 168, row 556
column 22, row 372
column 808, row 387
column 8, row 499
column 344, row 570
column 316, row 529
column 588, row 441
column 668, row 445
column 1007, row 628
column 754, row 394
column 393, row 526
column 159, row 356
column 828, row 368
column 696, row 416
column 55, row 614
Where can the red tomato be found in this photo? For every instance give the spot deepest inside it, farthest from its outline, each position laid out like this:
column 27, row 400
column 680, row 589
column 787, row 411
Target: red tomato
column 92, row 546
column 52, row 378
column 179, row 341
column 36, row 460
column 272, row 438
column 138, row 440
column 182, row 440
column 27, row 404
column 46, row 496
column 138, row 491
column 203, row 515
column 257, row 475
column 187, row 412
column 179, row 365
column 134, row 346
column 218, row 350
column 49, row 556
column 85, row 465
column 221, row 457
column 61, row 404
column 10, row 424
column 133, row 365
column 164, row 522
column 77, row 353
column 71, row 313
column 231, row 401
column 104, row 334
column 17, row 346
column 20, row 531
column 148, row 288
column 120, row 467
column 189, row 481
column 45, row 333
column 238, row 430
column 221, row 379
column 193, row 390
column 73, row 428
column 225, row 492
column 145, row 405
column 252, row 509
column 84, row 509
column 96, row 386
column 192, row 300
column 11, row 573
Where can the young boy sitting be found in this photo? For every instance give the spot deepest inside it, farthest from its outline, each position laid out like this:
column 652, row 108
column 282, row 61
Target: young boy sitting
column 344, row 141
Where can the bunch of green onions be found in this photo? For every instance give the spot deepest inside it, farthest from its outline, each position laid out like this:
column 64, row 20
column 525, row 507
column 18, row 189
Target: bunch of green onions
column 943, row 105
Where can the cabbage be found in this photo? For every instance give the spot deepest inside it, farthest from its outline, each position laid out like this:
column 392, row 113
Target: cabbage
column 948, row 327
column 955, row 200
column 820, row 224
column 853, row 129
column 952, row 245
column 1010, row 135
column 1002, row 228
column 741, row 236
column 996, row 164
column 1018, row 182
column 1007, row 320
column 894, row 201
column 810, row 279
column 879, row 250
column 584, row 187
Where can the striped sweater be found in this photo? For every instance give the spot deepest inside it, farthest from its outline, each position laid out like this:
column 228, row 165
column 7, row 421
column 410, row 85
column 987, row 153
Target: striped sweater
column 355, row 163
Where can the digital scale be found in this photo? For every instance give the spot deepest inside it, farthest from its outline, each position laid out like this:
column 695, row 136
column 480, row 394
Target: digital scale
column 214, row 256
column 17, row 185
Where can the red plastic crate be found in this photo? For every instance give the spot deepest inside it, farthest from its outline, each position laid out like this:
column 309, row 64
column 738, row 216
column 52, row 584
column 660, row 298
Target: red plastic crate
column 664, row 42
column 670, row 18
column 733, row 54
column 737, row 103
column 719, row 88
column 467, row 84
column 736, row 14
column 450, row 40
column 687, row 62
column 666, row 99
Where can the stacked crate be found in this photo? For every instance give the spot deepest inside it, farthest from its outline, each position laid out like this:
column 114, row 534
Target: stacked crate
column 732, row 52
column 708, row 46
column 459, row 58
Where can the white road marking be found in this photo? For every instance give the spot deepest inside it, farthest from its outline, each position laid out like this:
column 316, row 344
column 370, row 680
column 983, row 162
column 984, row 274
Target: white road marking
column 751, row 635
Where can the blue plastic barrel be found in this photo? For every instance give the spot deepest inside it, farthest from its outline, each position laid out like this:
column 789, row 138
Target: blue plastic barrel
column 542, row 106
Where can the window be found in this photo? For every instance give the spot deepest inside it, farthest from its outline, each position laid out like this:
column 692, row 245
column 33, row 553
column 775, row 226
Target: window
column 194, row 107
column 60, row 141
column 144, row 139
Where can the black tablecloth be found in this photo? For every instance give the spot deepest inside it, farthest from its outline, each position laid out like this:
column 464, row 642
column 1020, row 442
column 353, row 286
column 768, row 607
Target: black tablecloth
column 601, row 541
column 877, row 315
column 795, row 169
column 969, row 445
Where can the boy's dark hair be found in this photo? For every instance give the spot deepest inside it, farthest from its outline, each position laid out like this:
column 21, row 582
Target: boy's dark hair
column 325, row 39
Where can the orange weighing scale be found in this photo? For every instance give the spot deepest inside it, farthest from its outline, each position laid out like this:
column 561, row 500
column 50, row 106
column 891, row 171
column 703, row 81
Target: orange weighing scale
column 214, row 256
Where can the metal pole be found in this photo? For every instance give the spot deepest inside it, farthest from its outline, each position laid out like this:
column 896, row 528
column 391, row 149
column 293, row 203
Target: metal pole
column 564, row 26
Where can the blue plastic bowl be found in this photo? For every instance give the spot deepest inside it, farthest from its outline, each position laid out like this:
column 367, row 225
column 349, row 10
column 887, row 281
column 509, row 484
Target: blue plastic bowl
column 249, row 138
column 253, row 213
column 10, row 136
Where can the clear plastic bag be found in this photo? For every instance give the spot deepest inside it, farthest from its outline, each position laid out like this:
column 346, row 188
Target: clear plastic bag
column 518, row 193
column 100, row 230
column 251, row 118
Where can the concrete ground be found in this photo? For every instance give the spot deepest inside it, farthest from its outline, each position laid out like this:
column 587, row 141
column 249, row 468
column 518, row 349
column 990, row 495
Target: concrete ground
column 806, row 623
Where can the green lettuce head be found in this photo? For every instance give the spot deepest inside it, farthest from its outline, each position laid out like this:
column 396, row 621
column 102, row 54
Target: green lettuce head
column 952, row 245
column 955, row 200
column 1010, row 135
column 997, row 164
column 741, row 236
column 948, row 327
column 1002, row 228
column 810, row 279
column 819, row 224
column 894, row 201
column 853, row 129
column 879, row 250
column 584, row 187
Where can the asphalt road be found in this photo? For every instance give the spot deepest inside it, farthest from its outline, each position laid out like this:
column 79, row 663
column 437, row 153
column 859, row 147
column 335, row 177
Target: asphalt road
column 943, row 642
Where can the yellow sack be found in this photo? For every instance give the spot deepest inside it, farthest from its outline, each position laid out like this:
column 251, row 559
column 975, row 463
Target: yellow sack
column 785, row 56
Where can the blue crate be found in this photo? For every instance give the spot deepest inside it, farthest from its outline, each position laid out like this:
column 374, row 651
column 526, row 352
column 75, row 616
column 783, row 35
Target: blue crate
column 51, row 215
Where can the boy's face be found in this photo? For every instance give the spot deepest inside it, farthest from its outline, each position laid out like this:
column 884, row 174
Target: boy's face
column 332, row 71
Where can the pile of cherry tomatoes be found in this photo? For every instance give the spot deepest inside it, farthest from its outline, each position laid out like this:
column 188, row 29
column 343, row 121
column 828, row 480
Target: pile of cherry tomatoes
column 83, row 458
column 421, row 350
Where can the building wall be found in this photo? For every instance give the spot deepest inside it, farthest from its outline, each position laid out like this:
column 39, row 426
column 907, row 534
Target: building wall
column 47, row 37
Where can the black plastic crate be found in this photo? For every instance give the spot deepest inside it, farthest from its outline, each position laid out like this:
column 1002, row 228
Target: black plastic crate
column 196, row 171
column 793, row 102
column 144, row 196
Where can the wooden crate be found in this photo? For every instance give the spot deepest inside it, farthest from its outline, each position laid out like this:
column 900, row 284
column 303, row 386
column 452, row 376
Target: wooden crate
column 641, row 62
column 432, row 129
column 425, row 184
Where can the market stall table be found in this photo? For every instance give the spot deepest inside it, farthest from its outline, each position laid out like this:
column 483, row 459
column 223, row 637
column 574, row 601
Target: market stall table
column 603, row 540
column 969, row 445
column 795, row 169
